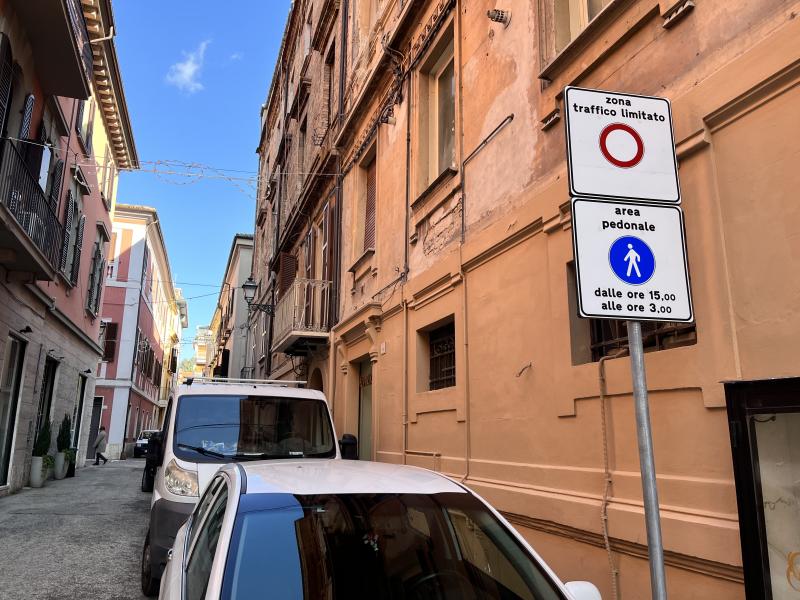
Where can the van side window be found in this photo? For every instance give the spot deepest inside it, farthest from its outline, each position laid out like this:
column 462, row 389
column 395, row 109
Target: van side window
column 201, row 557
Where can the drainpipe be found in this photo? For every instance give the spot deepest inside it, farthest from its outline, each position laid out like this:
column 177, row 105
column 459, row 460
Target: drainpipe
column 405, row 271
column 601, row 372
column 337, row 216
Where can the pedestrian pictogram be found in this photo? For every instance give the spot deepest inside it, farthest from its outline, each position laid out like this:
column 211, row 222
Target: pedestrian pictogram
column 632, row 260
column 620, row 146
column 618, row 141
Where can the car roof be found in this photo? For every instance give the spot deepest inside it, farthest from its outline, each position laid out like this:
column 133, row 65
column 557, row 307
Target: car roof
column 203, row 388
column 336, row 476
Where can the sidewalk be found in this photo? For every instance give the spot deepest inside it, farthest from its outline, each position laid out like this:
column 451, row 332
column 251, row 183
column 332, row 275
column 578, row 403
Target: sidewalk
column 76, row 538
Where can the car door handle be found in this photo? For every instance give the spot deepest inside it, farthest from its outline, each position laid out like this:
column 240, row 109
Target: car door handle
column 169, row 554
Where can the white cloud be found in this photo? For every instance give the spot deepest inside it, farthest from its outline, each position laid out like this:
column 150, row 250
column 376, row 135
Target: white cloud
column 236, row 56
column 185, row 74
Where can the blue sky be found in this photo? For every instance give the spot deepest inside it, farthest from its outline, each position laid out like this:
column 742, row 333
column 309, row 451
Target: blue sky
column 195, row 75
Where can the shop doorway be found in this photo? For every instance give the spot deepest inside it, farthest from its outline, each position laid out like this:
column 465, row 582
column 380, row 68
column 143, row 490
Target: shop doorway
column 365, row 410
column 765, row 440
column 10, row 382
column 94, row 425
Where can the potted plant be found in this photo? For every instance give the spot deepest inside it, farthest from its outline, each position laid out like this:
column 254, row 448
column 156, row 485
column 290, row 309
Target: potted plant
column 48, row 462
column 62, row 443
column 40, row 447
column 70, row 455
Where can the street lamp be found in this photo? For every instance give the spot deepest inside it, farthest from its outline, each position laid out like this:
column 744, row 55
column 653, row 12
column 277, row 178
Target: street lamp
column 249, row 288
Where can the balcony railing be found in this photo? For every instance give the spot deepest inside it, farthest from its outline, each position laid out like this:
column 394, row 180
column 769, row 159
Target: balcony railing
column 302, row 312
column 25, row 200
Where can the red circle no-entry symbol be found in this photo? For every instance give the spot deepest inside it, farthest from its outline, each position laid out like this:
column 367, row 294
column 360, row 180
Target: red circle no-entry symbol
column 623, row 164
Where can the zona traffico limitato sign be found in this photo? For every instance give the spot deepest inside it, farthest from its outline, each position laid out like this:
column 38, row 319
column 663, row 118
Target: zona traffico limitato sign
column 620, row 146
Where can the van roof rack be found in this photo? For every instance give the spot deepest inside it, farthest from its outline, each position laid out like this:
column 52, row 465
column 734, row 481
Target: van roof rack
column 241, row 381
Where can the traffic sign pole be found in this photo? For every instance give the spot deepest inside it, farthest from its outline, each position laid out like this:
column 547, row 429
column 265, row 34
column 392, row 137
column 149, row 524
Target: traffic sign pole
column 655, row 548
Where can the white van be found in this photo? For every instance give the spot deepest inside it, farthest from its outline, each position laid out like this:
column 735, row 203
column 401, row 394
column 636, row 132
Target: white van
column 211, row 422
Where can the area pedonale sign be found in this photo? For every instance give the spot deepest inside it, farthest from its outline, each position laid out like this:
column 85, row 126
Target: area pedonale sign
column 620, row 146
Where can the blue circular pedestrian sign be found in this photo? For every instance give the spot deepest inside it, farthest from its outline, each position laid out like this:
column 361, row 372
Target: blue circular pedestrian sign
column 632, row 260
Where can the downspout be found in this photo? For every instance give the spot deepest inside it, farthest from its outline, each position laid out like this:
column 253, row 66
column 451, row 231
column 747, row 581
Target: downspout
column 405, row 272
column 337, row 241
column 601, row 371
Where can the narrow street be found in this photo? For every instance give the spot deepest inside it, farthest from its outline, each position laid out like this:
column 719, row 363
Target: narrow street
column 76, row 538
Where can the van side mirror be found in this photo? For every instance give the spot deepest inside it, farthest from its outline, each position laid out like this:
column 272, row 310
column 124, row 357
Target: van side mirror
column 348, row 446
column 154, row 455
column 583, row 590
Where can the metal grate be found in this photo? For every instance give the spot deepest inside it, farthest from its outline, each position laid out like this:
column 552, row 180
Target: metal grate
column 443, row 357
column 608, row 336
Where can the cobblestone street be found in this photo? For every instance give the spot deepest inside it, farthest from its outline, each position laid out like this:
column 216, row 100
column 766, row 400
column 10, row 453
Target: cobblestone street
column 76, row 538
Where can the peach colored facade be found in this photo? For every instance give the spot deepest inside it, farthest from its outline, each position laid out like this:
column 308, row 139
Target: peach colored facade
column 468, row 260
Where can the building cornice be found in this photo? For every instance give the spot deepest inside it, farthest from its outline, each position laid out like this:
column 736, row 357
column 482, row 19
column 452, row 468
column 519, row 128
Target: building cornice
column 108, row 82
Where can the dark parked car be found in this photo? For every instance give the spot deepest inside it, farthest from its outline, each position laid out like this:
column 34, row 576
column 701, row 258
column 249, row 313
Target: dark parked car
column 141, row 442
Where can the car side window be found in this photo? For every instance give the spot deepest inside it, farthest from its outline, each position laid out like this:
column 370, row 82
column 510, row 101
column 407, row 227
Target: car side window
column 201, row 554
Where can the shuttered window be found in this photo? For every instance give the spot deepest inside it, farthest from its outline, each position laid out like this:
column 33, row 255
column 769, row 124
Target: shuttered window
column 27, row 117
column 76, row 254
column 6, row 77
column 369, row 207
column 56, row 177
column 288, row 271
column 69, row 216
column 110, row 343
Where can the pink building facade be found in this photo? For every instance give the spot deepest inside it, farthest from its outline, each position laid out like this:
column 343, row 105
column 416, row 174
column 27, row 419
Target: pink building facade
column 65, row 136
column 143, row 316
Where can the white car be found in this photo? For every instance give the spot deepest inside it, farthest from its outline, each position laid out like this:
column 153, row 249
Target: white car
column 317, row 530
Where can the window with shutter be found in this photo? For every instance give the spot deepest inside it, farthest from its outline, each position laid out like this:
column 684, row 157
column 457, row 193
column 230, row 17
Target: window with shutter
column 27, row 117
column 110, row 344
column 288, row 271
column 6, row 77
column 55, row 179
column 76, row 255
column 90, row 289
column 69, row 215
column 369, row 207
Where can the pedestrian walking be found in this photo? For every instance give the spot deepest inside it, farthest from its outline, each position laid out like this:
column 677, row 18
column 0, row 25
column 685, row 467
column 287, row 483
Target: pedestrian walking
column 100, row 446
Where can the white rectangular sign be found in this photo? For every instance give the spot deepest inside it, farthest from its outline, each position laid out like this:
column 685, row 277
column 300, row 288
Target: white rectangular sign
column 631, row 261
column 620, row 146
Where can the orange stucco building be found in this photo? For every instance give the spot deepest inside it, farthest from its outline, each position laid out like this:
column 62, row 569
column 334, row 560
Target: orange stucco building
column 418, row 250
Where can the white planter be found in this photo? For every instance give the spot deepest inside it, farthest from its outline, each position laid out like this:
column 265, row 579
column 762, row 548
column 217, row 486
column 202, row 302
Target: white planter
column 37, row 473
column 59, row 470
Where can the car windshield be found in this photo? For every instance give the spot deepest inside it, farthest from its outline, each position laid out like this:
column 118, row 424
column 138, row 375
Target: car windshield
column 412, row 546
column 224, row 427
column 145, row 435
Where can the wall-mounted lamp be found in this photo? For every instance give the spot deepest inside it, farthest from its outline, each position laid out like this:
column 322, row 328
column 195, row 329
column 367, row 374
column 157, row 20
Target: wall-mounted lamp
column 26, row 329
column 88, row 372
column 499, row 16
column 249, row 288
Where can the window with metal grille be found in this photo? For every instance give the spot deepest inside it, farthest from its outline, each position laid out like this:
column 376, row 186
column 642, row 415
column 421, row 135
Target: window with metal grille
column 592, row 339
column 442, row 345
column 609, row 336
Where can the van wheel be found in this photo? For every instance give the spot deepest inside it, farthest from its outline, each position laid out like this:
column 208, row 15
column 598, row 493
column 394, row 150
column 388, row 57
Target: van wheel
column 147, row 479
column 149, row 583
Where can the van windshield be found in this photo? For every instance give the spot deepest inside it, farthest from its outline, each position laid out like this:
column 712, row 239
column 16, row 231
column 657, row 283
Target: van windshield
column 221, row 428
